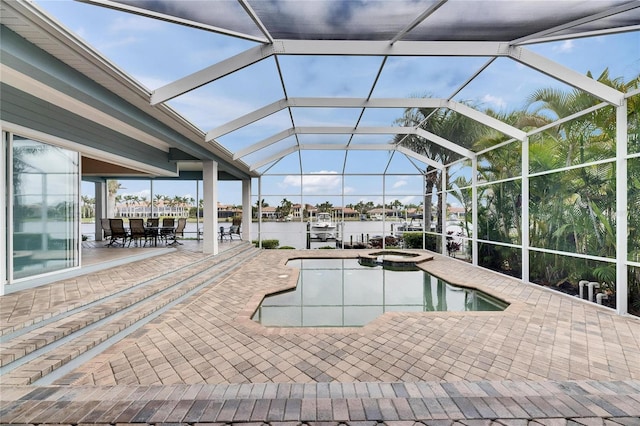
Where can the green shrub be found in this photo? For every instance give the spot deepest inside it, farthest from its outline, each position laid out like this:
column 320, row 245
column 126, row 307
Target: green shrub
column 267, row 244
column 286, row 248
column 412, row 239
column 326, row 248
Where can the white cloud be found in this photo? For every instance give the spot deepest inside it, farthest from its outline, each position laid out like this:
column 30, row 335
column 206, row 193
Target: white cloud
column 145, row 193
column 566, row 46
column 322, row 182
column 400, row 184
column 494, row 100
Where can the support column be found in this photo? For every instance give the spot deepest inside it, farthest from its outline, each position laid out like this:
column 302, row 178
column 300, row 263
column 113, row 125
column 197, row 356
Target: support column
column 524, row 202
column 474, row 210
column 260, row 212
column 210, row 207
column 100, row 190
column 443, row 210
column 622, row 283
column 246, row 210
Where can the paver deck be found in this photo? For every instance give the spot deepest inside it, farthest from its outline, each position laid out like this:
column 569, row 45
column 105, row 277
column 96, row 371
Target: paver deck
column 547, row 356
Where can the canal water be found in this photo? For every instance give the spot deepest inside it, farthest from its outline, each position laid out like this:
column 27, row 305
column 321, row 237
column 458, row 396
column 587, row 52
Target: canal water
column 293, row 234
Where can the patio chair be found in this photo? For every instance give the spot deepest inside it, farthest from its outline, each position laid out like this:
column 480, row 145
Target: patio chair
column 235, row 228
column 223, row 234
column 182, row 222
column 106, row 230
column 167, row 229
column 118, row 232
column 137, row 231
column 153, row 221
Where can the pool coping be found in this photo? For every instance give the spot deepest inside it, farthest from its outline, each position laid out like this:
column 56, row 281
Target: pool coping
column 411, row 258
column 290, row 281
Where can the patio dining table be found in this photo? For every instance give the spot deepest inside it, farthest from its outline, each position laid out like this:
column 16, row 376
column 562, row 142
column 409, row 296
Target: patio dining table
column 157, row 231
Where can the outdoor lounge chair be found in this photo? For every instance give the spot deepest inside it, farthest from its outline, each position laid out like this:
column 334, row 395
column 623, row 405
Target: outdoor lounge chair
column 106, row 230
column 167, row 230
column 182, row 222
column 118, row 232
column 223, row 233
column 235, row 228
column 137, row 231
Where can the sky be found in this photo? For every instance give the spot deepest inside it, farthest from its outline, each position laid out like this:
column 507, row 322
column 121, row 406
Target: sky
column 156, row 53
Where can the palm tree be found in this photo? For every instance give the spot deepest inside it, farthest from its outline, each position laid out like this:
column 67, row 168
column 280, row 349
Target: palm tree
column 88, row 206
column 462, row 192
column 589, row 190
column 325, row 207
column 112, row 198
column 285, row 207
column 447, row 124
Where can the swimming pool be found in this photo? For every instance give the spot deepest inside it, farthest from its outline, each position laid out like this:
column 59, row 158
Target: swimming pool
column 344, row 293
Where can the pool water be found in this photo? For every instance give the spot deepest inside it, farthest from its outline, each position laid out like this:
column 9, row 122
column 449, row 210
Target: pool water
column 343, row 293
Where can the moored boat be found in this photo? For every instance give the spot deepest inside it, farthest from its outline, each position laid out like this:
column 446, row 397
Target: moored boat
column 323, row 228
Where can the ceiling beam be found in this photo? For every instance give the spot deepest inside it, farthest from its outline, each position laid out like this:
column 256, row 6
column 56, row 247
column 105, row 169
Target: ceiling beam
column 324, row 47
column 210, row 73
column 566, row 75
column 486, row 120
column 336, row 130
column 426, row 160
column 278, row 155
column 322, row 103
column 372, row 147
column 116, row 5
column 245, row 120
column 347, row 130
column 364, row 103
column 424, row 15
column 264, row 143
column 383, row 48
column 444, row 143
column 541, row 35
column 328, row 147
column 583, row 34
column 256, row 19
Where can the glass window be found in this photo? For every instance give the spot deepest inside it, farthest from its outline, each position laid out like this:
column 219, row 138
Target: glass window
column 45, row 208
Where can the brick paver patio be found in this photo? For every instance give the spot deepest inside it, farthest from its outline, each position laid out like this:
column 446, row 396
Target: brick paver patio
column 524, row 361
column 211, row 339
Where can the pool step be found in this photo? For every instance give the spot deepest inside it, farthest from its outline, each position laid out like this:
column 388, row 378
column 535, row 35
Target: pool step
column 33, row 353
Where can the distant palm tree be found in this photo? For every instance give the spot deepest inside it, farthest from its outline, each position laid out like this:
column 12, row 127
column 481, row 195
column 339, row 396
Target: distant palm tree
column 112, row 198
